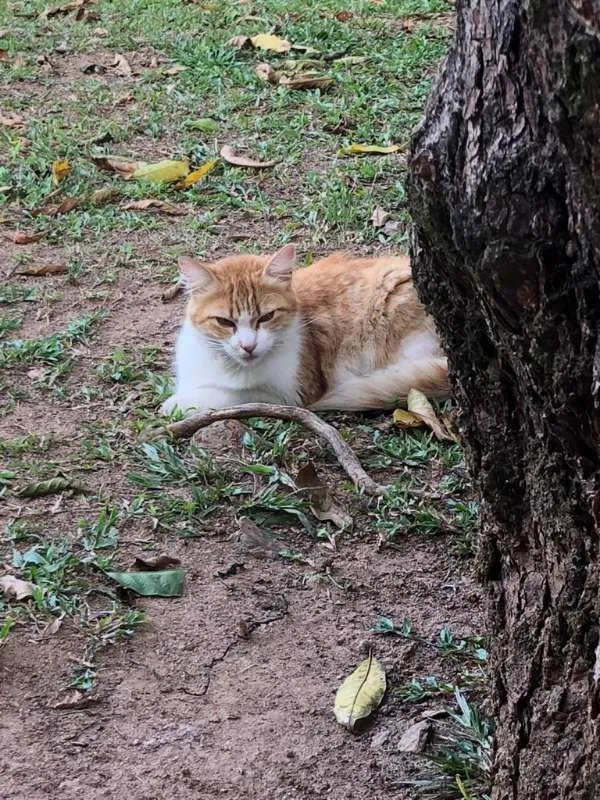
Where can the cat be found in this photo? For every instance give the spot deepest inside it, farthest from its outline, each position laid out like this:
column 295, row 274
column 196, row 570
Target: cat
column 345, row 334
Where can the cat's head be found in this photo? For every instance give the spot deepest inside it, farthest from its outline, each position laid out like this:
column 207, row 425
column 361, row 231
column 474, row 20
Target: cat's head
column 244, row 305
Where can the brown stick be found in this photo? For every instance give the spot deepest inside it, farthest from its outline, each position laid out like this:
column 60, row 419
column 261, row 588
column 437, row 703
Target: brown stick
column 343, row 452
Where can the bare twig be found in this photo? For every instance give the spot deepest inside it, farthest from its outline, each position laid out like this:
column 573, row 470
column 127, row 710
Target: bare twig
column 343, row 452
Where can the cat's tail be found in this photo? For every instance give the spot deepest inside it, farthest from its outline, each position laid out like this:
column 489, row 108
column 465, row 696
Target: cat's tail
column 384, row 387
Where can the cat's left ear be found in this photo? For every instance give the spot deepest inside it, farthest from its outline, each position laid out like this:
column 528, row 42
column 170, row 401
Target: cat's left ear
column 193, row 273
column 282, row 264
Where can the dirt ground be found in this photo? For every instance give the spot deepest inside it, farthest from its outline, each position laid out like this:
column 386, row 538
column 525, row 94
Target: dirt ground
column 228, row 690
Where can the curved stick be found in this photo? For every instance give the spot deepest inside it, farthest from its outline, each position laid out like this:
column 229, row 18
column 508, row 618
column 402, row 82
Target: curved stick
column 343, row 452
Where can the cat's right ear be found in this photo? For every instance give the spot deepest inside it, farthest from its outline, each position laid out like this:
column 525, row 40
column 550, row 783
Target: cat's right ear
column 193, row 273
column 282, row 264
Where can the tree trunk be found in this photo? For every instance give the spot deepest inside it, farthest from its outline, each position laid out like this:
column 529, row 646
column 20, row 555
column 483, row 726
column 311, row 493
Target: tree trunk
column 505, row 197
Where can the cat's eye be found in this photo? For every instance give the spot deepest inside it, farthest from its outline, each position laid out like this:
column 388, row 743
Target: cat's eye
column 226, row 323
column 266, row 317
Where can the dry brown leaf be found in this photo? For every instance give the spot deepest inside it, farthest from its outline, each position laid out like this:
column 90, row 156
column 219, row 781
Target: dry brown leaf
column 22, row 237
column 306, row 82
column 100, row 32
column 100, row 197
column 175, row 69
column 36, row 270
column 160, row 206
column 227, row 154
column 121, row 166
column 68, row 204
column 162, row 561
column 344, row 16
column 414, row 740
column 172, row 292
column 418, row 403
column 256, row 542
column 319, row 497
column 76, row 5
column 266, row 73
column 239, row 41
column 122, row 66
column 53, row 209
column 12, row 587
column 11, row 120
column 4, row 56
column 379, row 217
column 52, row 627
column 75, row 699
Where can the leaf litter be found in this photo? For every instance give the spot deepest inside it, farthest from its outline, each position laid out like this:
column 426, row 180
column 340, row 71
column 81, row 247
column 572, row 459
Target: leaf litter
column 229, row 155
column 361, row 693
column 319, row 497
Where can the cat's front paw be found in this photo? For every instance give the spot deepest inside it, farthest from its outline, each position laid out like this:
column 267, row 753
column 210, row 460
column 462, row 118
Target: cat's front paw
column 176, row 402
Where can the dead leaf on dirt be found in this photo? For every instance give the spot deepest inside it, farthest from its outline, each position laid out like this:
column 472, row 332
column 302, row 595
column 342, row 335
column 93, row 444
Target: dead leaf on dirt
column 64, row 9
column 351, row 60
column 418, row 403
column 121, row 166
column 159, row 206
column 51, row 486
column 197, row 174
column 369, row 149
column 228, row 155
column 52, row 209
column 15, row 588
column 22, row 237
column 239, row 41
column 60, row 170
column 256, row 542
column 391, row 227
column 162, row 561
column 175, row 69
column 414, row 740
column 172, row 292
column 344, row 16
column 230, row 569
column 93, row 69
column 100, row 197
column 37, row 270
column 52, row 627
column 360, row 693
column 306, row 81
column 11, row 120
column 319, row 497
column 266, row 73
column 74, row 700
column 99, row 31
column 166, row 171
column 4, row 56
column 121, row 66
column 379, row 217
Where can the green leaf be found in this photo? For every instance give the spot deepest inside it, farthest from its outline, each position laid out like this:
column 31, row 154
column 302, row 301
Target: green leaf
column 165, row 583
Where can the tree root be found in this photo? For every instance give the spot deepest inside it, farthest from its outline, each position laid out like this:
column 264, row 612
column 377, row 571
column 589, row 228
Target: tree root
column 343, row 452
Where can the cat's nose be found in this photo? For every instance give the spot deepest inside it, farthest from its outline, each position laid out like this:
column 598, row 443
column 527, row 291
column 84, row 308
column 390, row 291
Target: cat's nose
column 248, row 347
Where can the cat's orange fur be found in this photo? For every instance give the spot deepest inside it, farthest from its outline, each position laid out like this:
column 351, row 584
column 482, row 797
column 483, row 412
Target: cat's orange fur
column 362, row 337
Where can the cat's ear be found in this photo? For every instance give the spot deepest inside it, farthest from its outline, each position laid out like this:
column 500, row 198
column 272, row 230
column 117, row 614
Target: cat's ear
column 282, row 264
column 193, row 273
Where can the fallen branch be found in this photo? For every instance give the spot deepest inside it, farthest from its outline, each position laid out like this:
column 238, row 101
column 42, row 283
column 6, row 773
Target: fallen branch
column 343, row 452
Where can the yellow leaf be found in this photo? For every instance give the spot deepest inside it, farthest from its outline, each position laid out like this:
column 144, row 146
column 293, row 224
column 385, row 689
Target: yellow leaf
column 360, row 693
column 266, row 41
column 358, row 149
column 420, row 405
column 406, row 419
column 60, row 170
column 198, row 174
column 166, row 171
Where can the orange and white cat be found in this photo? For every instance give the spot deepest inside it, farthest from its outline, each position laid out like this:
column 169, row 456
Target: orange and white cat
column 343, row 334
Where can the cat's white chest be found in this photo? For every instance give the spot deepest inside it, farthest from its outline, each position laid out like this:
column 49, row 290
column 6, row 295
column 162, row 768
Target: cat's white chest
column 205, row 380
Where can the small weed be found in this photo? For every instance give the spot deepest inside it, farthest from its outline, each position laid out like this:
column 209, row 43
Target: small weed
column 471, row 646
column 415, row 691
column 8, row 325
column 55, row 349
column 9, row 295
column 386, row 626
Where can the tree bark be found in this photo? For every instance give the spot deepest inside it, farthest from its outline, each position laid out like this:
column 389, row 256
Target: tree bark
column 505, row 197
